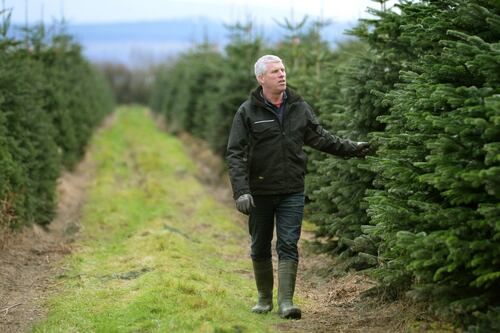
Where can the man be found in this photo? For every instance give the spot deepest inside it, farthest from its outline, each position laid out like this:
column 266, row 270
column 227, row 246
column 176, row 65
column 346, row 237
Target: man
column 267, row 167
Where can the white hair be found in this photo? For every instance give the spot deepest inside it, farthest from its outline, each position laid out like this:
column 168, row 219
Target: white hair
column 260, row 65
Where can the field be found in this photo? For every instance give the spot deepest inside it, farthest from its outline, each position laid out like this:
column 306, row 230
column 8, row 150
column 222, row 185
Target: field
column 153, row 248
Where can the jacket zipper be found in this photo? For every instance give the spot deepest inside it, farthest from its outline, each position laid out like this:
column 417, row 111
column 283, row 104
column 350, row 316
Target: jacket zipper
column 282, row 130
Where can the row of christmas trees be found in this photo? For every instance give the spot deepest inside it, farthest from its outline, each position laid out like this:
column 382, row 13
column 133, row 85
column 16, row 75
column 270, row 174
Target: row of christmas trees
column 422, row 84
column 51, row 100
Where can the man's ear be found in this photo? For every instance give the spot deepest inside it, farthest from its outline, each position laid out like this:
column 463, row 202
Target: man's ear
column 260, row 79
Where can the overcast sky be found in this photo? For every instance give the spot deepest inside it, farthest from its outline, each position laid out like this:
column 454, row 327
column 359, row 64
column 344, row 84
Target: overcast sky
column 94, row 11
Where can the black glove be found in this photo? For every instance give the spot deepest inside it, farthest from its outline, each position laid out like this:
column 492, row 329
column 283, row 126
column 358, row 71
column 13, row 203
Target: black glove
column 245, row 203
column 362, row 148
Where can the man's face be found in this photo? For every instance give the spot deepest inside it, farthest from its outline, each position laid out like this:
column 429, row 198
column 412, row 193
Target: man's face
column 274, row 79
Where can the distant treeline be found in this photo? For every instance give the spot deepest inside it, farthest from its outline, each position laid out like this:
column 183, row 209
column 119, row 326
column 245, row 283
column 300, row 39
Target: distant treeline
column 51, row 99
column 422, row 84
column 129, row 85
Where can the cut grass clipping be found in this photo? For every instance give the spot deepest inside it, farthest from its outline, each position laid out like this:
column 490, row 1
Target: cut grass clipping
column 157, row 252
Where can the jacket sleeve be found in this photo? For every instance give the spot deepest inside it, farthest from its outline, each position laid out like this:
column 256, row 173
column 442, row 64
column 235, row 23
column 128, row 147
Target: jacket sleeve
column 237, row 155
column 319, row 138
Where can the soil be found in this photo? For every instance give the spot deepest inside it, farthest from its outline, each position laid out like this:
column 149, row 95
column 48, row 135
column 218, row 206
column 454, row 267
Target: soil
column 335, row 302
column 31, row 261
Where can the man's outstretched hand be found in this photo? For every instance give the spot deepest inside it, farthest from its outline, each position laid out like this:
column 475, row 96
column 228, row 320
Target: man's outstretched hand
column 363, row 148
column 245, row 203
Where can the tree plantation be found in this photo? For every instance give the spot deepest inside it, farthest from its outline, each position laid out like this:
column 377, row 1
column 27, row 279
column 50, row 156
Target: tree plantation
column 420, row 214
column 51, row 99
column 421, row 82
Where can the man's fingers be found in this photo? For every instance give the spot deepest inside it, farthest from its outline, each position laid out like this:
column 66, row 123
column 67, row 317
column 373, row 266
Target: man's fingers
column 363, row 148
column 363, row 145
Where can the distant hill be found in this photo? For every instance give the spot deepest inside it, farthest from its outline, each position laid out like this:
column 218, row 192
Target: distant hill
column 139, row 43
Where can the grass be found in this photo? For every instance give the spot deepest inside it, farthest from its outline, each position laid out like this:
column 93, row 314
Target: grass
column 157, row 252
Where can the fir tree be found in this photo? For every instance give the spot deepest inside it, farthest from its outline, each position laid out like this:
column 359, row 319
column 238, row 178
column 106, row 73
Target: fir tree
column 351, row 100
column 38, row 106
column 437, row 163
column 33, row 164
column 336, row 186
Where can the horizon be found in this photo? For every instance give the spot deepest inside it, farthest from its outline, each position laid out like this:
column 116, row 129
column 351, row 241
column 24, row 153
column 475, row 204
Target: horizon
column 135, row 44
column 124, row 31
column 120, row 11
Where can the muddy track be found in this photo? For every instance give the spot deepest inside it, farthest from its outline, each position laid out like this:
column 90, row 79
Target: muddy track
column 30, row 262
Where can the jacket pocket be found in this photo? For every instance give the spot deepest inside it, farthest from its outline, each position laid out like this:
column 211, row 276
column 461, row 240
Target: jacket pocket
column 262, row 125
column 264, row 129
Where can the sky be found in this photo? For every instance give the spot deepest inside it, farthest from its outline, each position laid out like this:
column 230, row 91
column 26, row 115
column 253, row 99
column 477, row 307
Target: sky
column 108, row 11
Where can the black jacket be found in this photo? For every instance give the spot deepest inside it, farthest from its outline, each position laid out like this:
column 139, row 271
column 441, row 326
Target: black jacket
column 265, row 156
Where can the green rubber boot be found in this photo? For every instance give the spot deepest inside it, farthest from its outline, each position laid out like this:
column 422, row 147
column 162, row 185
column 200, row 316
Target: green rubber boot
column 287, row 274
column 263, row 271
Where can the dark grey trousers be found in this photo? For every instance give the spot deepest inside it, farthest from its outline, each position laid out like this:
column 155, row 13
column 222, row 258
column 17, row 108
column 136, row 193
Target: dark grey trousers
column 287, row 210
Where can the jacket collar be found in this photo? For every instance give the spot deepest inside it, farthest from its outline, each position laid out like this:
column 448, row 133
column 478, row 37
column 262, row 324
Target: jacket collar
column 268, row 103
column 256, row 97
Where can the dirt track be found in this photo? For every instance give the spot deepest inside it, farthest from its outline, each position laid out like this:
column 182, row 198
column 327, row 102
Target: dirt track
column 31, row 262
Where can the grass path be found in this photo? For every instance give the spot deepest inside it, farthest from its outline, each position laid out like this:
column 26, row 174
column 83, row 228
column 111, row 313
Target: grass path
column 157, row 252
